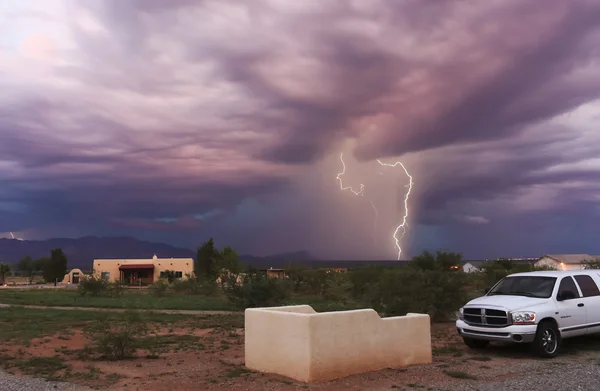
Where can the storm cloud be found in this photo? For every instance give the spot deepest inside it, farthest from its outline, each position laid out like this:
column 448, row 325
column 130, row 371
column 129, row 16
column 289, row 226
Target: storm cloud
column 186, row 119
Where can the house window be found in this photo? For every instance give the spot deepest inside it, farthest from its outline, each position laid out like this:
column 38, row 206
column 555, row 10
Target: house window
column 163, row 275
column 105, row 275
column 178, row 274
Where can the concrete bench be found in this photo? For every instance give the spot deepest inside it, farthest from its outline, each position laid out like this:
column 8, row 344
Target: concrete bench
column 307, row 346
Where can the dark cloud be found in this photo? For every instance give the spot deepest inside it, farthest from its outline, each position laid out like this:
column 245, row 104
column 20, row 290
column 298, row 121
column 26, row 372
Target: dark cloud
column 144, row 115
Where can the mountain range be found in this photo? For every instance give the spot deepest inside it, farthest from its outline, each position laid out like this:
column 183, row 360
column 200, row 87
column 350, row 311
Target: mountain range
column 81, row 252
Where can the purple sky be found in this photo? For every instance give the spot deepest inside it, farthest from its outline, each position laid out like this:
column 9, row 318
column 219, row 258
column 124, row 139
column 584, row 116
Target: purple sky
column 178, row 120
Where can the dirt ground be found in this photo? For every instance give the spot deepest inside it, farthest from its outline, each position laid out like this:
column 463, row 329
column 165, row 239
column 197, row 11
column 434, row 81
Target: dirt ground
column 213, row 359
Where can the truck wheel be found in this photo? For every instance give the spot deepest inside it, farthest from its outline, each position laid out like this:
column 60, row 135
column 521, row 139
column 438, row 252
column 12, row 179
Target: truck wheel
column 547, row 340
column 476, row 343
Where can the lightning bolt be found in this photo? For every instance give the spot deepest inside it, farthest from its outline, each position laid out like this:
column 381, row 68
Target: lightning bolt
column 360, row 192
column 403, row 225
column 13, row 236
column 339, row 178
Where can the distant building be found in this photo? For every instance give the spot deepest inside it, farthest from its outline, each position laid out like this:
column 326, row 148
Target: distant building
column 73, row 277
column 566, row 261
column 275, row 273
column 142, row 271
column 472, row 266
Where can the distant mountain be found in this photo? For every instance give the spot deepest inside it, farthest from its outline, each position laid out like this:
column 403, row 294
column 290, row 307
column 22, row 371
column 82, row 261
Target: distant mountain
column 81, row 252
column 277, row 260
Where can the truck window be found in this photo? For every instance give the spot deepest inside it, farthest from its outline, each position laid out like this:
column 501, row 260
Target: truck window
column 588, row 285
column 567, row 284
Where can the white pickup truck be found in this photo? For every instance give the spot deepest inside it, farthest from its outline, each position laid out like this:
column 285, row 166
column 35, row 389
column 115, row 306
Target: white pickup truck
column 538, row 308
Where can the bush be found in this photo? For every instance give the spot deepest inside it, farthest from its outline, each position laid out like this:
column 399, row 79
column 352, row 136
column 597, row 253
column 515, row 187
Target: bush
column 92, row 286
column 193, row 286
column 338, row 288
column 96, row 286
column 400, row 291
column 363, row 279
column 254, row 290
column 118, row 338
column 160, row 288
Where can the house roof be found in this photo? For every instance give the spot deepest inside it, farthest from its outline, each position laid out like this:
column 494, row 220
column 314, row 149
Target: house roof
column 473, row 263
column 573, row 259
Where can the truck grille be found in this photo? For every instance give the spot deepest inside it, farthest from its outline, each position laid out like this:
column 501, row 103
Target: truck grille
column 485, row 317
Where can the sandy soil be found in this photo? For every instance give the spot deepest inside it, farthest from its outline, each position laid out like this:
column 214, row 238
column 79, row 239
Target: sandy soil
column 212, row 359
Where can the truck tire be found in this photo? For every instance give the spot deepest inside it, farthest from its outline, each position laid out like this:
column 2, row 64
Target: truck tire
column 547, row 340
column 476, row 343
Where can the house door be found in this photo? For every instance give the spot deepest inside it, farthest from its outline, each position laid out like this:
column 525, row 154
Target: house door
column 75, row 278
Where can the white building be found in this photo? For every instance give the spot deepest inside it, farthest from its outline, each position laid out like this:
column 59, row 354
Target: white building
column 472, row 266
column 566, row 261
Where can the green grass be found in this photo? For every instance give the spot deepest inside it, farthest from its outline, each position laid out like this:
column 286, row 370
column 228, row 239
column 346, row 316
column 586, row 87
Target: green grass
column 42, row 366
column 24, row 324
column 129, row 300
column 143, row 300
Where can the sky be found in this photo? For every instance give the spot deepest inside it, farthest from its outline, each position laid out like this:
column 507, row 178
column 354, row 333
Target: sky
column 180, row 120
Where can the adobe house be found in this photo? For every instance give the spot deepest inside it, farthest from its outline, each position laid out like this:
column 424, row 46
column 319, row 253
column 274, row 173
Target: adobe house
column 142, row 271
column 566, row 261
column 73, row 277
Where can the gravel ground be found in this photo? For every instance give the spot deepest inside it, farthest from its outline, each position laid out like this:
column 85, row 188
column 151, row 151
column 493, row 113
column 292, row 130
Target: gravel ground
column 561, row 374
column 10, row 382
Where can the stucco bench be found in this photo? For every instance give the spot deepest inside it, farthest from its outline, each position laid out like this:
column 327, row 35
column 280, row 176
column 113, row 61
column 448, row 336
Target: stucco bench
column 307, row 346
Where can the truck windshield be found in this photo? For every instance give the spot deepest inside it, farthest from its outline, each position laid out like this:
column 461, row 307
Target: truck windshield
column 530, row 286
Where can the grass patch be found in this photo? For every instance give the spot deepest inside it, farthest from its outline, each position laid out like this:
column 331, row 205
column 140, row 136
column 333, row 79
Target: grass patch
column 136, row 299
column 129, row 300
column 47, row 367
column 166, row 343
column 460, row 375
column 237, row 372
column 21, row 325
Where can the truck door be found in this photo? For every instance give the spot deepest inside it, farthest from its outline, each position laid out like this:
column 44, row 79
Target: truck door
column 591, row 301
column 570, row 311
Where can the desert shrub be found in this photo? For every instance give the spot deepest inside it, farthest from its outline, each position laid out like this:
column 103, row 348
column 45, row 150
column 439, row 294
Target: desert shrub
column 115, row 289
column 315, row 281
column 92, row 286
column 254, row 290
column 160, row 288
column 96, row 286
column 434, row 292
column 118, row 338
column 591, row 264
column 338, row 288
column 194, row 286
column 363, row 279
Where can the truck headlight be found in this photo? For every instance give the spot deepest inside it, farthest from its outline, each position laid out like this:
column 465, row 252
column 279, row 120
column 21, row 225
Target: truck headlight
column 523, row 317
column 461, row 314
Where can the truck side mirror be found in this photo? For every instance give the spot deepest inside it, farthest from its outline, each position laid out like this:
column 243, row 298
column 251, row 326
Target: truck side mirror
column 565, row 295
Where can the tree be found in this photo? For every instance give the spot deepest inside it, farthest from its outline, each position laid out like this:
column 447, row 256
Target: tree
column 169, row 275
column 27, row 266
column 38, row 264
column 55, row 268
column 442, row 260
column 205, row 261
column 589, row 264
column 228, row 260
column 4, row 270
